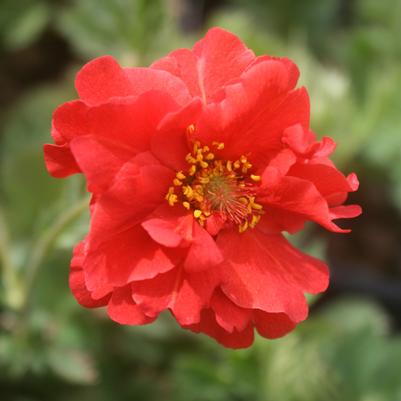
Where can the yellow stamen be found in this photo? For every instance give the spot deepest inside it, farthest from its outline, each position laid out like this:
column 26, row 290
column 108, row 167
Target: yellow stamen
column 197, row 213
column 255, row 178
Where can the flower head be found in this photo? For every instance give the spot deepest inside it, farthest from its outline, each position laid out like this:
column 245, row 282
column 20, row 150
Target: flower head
column 196, row 166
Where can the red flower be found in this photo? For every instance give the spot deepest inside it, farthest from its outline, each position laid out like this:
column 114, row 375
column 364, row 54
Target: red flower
column 197, row 165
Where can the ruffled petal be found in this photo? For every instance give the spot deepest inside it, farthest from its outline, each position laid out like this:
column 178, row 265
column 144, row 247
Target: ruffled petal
column 59, row 161
column 101, row 79
column 170, row 141
column 77, row 281
column 122, row 309
column 254, row 113
column 235, row 339
column 124, row 257
column 265, row 272
column 215, row 60
column 227, row 314
column 183, row 293
column 137, row 190
column 272, row 325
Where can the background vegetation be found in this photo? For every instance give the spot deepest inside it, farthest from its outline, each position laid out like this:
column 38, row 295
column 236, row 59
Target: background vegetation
column 349, row 52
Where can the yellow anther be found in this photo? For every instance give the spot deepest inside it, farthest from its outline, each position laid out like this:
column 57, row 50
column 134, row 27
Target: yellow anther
column 187, row 205
column 204, row 164
column 197, row 213
column 243, row 159
column 204, row 180
column 187, row 191
column 237, row 164
column 190, row 159
column 218, row 145
column 210, row 156
column 255, row 178
column 196, row 146
column 229, row 165
column 170, row 191
column 172, row 199
column 255, row 220
column 256, row 206
column 180, row 175
column 192, row 170
column 205, row 149
column 243, row 227
column 191, row 129
column 177, row 182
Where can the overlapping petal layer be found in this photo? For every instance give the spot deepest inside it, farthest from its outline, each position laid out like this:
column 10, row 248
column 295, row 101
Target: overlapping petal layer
column 197, row 165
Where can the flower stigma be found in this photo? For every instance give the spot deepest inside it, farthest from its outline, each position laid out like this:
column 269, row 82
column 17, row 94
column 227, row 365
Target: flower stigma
column 214, row 187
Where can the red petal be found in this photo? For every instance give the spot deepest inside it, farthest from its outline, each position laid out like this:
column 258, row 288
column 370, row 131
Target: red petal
column 130, row 121
column 297, row 196
column 265, row 272
column 101, row 79
column 77, row 281
column 235, row 339
column 254, row 114
column 122, row 309
column 138, row 188
column 147, row 79
column 228, row 315
column 170, row 143
column 203, row 253
column 215, row 60
column 327, row 180
column 59, row 161
column 185, row 294
column 99, row 160
column 124, row 257
column 170, row 226
column 272, row 325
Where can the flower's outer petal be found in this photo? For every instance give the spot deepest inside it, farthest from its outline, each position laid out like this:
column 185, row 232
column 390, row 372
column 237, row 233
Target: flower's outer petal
column 235, row 339
column 77, row 281
column 254, row 113
column 228, row 315
column 217, row 59
column 276, row 220
column 59, row 161
column 124, row 257
column 147, row 79
column 170, row 141
column 330, row 182
column 345, row 212
column 297, row 196
column 99, row 160
column 183, row 293
column 203, row 253
column 122, row 128
column 272, row 325
column 129, row 121
column 122, row 309
column 265, row 272
column 137, row 190
column 102, row 79
column 292, row 69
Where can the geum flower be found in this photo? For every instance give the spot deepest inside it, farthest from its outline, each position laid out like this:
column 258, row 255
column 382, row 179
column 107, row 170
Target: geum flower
column 197, row 165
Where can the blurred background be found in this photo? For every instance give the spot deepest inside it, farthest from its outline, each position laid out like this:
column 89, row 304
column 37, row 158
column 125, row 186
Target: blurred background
column 349, row 53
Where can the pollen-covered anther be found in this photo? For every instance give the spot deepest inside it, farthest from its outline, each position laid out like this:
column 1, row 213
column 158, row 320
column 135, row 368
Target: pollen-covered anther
column 214, row 186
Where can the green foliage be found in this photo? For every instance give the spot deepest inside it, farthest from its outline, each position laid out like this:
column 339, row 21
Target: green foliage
column 50, row 348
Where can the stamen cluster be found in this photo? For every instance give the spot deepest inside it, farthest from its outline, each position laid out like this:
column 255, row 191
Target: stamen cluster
column 215, row 187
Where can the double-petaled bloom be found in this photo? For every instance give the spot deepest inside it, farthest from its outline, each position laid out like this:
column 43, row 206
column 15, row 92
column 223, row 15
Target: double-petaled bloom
column 196, row 165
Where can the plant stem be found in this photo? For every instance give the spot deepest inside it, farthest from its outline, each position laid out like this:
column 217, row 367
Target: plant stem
column 43, row 245
column 12, row 285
